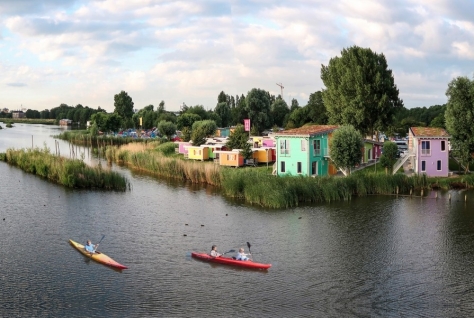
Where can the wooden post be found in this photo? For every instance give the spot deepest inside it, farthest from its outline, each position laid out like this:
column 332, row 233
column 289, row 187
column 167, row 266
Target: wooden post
column 465, row 198
column 449, row 197
column 436, row 195
column 397, row 190
column 411, row 191
column 422, row 193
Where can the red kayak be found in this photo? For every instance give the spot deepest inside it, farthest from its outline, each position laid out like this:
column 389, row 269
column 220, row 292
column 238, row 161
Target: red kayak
column 230, row 261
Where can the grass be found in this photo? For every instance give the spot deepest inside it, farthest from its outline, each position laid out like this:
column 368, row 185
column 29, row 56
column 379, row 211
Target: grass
column 72, row 173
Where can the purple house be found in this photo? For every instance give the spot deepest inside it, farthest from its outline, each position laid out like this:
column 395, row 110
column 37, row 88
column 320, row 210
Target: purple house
column 429, row 145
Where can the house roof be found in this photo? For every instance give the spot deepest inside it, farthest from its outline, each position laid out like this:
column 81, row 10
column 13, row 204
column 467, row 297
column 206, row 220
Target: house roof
column 429, row 132
column 308, row 130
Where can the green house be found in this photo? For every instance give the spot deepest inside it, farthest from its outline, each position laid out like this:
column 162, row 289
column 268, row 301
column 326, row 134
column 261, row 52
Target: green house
column 304, row 151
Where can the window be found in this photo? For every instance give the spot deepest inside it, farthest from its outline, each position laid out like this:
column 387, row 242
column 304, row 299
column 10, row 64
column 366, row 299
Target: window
column 369, row 154
column 303, row 145
column 282, row 166
column 317, row 147
column 438, row 165
column 425, row 148
column 423, row 166
column 284, row 147
column 314, row 168
column 298, row 167
column 443, row 145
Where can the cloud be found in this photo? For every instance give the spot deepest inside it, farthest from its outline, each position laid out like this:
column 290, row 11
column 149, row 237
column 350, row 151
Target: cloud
column 191, row 50
column 16, row 84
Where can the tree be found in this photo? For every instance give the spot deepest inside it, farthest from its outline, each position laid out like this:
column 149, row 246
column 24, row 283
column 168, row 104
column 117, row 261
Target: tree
column 113, row 122
column 294, row 105
column 167, row 129
column 222, row 98
column 316, row 111
column 279, row 111
column 186, row 134
column 123, row 105
column 346, row 147
column 187, row 120
column 238, row 138
column 208, row 126
column 360, row 90
column 459, row 118
column 258, row 108
column 389, row 156
column 199, row 110
column 198, row 136
column 239, row 113
column 223, row 110
column 297, row 118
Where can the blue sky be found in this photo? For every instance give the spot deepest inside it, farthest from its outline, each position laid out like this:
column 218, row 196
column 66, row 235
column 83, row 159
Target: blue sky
column 86, row 51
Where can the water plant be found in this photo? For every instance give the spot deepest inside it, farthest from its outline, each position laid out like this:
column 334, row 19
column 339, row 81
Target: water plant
column 72, row 173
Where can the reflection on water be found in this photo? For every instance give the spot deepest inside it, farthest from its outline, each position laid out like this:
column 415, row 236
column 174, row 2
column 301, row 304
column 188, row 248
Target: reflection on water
column 377, row 256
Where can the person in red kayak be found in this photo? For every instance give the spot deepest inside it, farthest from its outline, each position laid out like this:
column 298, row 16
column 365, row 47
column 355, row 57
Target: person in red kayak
column 241, row 255
column 90, row 248
column 214, row 252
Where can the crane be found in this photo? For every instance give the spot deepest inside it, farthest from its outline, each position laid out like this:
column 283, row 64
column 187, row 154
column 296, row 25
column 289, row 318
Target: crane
column 281, row 87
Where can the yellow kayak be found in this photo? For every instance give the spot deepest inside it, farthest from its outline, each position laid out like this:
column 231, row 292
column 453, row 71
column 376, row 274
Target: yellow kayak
column 97, row 256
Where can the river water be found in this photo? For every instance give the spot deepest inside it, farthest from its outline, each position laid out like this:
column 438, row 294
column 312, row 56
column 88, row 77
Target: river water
column 378, row 256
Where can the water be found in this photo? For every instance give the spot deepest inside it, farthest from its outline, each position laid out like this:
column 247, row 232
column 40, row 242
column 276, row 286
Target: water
column 377, row 256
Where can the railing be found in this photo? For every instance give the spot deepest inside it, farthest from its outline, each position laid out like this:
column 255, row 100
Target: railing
column 321, row 152
column 425, row 152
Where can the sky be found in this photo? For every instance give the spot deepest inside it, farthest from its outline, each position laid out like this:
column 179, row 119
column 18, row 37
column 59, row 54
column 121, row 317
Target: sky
column 86, row 51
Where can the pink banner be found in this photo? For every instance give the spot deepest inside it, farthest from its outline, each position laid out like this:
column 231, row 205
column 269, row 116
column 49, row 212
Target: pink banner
column 247, row 125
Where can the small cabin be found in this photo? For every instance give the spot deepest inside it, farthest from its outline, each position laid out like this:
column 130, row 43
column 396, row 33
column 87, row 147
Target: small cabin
column 181, row 147
column 65, row 122
column 200, row 153
column 264, row 154
column 230, row 158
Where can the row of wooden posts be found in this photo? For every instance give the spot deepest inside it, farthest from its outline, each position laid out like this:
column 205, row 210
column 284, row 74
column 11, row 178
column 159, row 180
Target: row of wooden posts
column 436, row 194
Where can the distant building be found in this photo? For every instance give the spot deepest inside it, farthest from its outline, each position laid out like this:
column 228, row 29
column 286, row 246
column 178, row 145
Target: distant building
column 5, row 110
column 65, row 122
column 18, row 114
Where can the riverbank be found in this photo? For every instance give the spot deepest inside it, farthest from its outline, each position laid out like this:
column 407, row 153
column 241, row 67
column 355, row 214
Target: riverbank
column 258, row 187
column 73, row 173
column 28, row 121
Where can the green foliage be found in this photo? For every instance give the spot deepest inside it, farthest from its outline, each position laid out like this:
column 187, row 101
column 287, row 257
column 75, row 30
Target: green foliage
column 246, row 151
column 186, row 134
column 254, row 131
column 198, row 110
column 167, row 148
column 315, row 109
column 167, row 129
column 239, row 112
column 389, row 155
column 123, row 105
column 258, row 108
column 187, row 120
column 224, row 112
column 72, row 173
column 238, row 138
column 209, row 127
column 94, row 130
column 360, row 90
column 297, row 118
column 460, row 117
column 346, row 147
column 279, row 110
column 198, row 136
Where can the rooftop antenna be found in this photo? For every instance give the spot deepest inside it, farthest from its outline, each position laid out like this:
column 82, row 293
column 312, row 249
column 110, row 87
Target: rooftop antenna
column 281, row 87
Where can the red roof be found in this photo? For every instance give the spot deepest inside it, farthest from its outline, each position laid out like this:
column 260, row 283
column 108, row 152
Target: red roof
column 308, row 130
column 429, row 131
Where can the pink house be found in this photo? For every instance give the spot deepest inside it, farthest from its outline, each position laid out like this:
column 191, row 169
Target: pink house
column 429, row 145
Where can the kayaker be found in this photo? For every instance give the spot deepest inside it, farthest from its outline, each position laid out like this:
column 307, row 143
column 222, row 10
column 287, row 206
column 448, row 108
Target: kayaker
column 90, row 248
column 241, row 255
column 214, row 252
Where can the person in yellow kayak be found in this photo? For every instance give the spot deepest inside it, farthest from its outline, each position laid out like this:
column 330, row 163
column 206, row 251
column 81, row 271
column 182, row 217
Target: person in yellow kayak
column 214, row 252
column 90, row 248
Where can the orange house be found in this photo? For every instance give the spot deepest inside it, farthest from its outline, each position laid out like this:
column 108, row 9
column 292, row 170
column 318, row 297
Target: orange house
column 264, row 154
column 230, row 158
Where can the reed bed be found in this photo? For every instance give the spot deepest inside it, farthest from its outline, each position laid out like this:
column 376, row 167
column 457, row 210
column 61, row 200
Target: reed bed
column 72, row 173
column 155, row 162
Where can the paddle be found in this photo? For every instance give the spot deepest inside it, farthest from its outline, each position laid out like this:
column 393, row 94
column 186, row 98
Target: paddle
column 97, row 245
column 230, row 251
column 248, row 245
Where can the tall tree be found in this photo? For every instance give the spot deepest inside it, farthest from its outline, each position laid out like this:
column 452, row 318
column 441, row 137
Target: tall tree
column 167, row 129
column 346, row 147
column 279, row 111
column 123, row 105
column 258, row 108
column 238, row 138
column 460, row 116
column 239, row 113
column 316, row 110
column 223, row 110
column 360, row 90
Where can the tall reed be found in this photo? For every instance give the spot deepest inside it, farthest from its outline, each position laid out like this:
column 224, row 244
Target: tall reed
column 72, row 173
